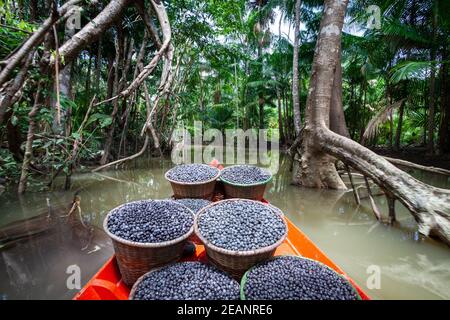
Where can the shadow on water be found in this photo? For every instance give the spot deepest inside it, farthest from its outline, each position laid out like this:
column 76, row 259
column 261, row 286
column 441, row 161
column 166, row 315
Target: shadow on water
column 411, row 267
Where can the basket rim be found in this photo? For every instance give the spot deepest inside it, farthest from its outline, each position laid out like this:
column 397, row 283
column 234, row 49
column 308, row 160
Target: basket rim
column 146, row 244
column 213, row 247
column 243, row 184
column 197, row 182
column 244, row 277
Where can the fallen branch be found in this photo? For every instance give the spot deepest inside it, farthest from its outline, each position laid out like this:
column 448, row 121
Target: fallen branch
column 375, row 209
column 136, row 155
column 412, row 165
column 355, row 191
column 92, row 31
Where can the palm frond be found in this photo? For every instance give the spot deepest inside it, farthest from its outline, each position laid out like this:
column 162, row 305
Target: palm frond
column 410, row 69
column 380, row 118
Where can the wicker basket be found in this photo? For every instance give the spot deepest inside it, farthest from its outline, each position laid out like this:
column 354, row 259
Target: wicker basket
column 244, row 278
column 254, row 191
column 139, row 280
column 198, row 190
column 236, row 263
column 135, row 258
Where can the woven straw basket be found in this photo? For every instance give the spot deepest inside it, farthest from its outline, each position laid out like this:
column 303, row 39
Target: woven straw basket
column 198, row 190
column 236, row 263
column 254, row 191
column 244, row 278
column 135, row 258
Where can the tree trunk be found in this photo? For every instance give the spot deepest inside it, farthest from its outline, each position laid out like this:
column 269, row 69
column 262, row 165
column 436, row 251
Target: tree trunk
column 430, row 206
column 9, row 95
column 398, row 133
column 29, row 145
column 14, row 137
column 444, row 142
column 117, row 67
column 287, row 127
column 295, row 73
column 261, row 100
column 65, row 90
column 33, row 10
column 444, row 132
column 337, row 117
column 432, row 101
column 98, row 66
column 280, row 119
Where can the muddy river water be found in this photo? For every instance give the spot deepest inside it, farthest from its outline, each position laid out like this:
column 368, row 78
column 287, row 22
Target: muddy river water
column 410, row 267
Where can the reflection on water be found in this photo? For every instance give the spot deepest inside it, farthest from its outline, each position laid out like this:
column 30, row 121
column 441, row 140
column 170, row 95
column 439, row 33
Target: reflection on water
column 411, row 267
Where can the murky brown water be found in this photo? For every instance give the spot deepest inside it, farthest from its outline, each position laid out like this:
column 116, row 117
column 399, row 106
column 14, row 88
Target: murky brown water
column 411, row 267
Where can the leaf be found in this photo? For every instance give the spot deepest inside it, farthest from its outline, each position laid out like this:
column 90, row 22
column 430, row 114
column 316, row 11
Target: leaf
column 379, row 119
column 105, row 122
column 76, row 135
column 104, row 119
column 410, row 69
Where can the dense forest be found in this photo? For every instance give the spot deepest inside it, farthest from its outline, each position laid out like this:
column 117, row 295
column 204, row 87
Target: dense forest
column 93, row 84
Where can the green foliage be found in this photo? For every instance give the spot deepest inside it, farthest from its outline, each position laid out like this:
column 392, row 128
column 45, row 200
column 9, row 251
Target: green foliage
column 410, row 70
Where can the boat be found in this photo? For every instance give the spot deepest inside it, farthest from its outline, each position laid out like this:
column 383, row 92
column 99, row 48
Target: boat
column 107, row 283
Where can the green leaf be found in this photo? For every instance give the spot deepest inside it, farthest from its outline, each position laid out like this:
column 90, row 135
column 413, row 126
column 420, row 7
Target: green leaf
column 410, row 69
column 76, row 135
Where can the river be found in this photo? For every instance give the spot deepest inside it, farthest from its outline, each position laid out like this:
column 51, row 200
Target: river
column 411, row 267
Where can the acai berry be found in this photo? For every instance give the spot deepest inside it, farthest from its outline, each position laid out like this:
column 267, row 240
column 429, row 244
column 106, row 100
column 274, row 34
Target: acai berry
column 190, row 173
column 245, row 175
column 187, row 281
column 194, row 204
column 150, row 221
column 296, row 278
column 241, row 225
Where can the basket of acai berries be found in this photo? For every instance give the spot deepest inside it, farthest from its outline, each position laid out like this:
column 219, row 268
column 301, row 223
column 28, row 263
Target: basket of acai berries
column 148, row 234
column 186, row 281
column 295, row 278
column 245, row 181
column 193, row 180
column 239, row 233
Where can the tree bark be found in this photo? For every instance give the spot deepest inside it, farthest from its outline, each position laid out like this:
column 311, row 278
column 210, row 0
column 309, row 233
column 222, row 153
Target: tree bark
column 398, row 133
column 444, row 132
column 430, row 206
column 295, row 73
column 118, row 66
column 92, row 31
column 337, row 117
column 29, row 144
column 9, row 95
column 65, row 90
column 432, row 101
column 280, row 119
